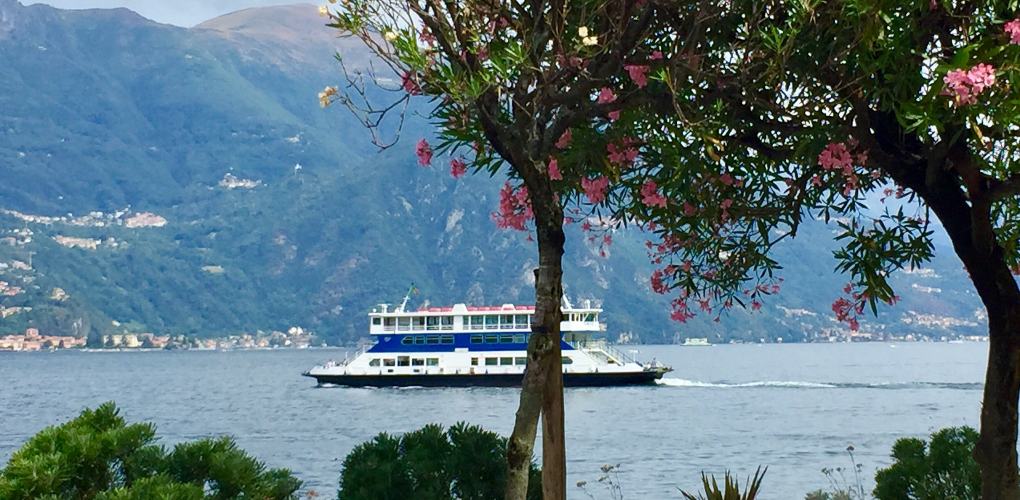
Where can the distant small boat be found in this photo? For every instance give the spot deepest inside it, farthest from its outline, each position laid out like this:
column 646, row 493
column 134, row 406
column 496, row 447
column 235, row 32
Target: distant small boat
column 696, row 342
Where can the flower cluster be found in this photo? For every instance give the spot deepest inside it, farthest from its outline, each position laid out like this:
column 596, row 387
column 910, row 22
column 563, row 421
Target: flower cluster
column 595, row 189
column 424, row 152
column 1013, row 30
column 514, row 208
column 458, row 168
column 586, row 39
column 965, row 85
column 836, row 157
column 650, row 195
column 623, row 154
column 638, row 73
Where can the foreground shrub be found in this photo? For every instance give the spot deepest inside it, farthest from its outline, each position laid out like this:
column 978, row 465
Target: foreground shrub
column 730, row 489
column 464, row 462
column 944, row 468
column 100, row 456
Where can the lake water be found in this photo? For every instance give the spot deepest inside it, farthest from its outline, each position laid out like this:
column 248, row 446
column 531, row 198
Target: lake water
column 794, row 408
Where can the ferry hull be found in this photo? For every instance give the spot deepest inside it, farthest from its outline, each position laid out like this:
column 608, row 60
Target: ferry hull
column 486, row 380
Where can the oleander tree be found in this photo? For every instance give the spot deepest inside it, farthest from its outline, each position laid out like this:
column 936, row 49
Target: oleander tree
column 886, row 118
column 547, row 93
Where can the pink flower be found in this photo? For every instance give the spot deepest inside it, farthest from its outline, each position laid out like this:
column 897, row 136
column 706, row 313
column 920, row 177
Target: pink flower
column 657, row 284
column 726, row 179
column 606, row 96
column 638, row 73
column 514, row 208
column 622, row 155
column 965, row 85
column 755, row 305
column 835, row 156
column 458, row 168
column 1013, row 30
column 614, row 115
column 595, row 189
column 554, row 170
column 689, row 210
column 650, row 195
column 656, row 55
column 564, row 140
column 816, row 181
column 424, row 153
column 981, row 76
column 410, row 84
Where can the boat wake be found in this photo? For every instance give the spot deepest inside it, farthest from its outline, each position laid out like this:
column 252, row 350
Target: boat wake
column 794, row 384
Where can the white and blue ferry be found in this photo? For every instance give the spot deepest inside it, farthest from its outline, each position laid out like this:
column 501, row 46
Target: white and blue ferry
column 462, row 345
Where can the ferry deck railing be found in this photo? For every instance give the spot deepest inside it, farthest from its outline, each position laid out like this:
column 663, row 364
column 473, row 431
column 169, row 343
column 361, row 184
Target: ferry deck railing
column 606, row 348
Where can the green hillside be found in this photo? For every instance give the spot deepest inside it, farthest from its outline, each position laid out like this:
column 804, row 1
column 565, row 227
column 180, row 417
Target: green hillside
column 105, row 111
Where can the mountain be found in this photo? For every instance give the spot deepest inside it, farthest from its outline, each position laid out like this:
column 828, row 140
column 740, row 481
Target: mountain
column 157, row 178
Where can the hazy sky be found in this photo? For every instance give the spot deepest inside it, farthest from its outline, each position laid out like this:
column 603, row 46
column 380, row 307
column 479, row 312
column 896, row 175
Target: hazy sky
column 179, row 12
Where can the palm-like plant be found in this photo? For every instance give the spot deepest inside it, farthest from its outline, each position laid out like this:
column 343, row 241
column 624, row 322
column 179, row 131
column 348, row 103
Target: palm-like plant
column 730, row 489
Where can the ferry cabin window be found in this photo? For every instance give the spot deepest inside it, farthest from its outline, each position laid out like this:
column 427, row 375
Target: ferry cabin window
column 403, row 361
column 418, row 322
column 374, row 362
column 432, row 361
column 474, row 361
column 520, row 339
column 506, row 339
column 566, row 360
column 417, row 362
column 432, row 339
column 589, row 317
column 477, row 338
column 520, row 361
column 492, row 339
column 491, row 322
column 403, row 324
column 419, row 339
column 376, row 321
column 407, row 340
column 506, row 361
column 446, row 322
column 389, row 362
column 491, row 361
column 506, row 321
column 389, row 323
column 446, row 339
column 521, row 321
column 433, row 322
column 477, row 322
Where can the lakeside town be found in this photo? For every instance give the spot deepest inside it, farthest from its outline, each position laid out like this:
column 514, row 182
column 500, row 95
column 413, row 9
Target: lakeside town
column 32, row 340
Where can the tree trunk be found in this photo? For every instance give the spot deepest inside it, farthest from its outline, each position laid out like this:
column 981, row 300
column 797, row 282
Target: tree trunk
column 969, row 226
column 996, row 450
column 542, row 389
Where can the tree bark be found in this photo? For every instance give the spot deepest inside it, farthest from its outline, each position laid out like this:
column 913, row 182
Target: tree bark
column 996, row 449
column 542, row 388
column 969, row 224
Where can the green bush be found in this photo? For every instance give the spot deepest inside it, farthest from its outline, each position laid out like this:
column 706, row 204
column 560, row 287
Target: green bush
column 99, row 456
column 464, row 462
column 730, row 489
column 943, row 468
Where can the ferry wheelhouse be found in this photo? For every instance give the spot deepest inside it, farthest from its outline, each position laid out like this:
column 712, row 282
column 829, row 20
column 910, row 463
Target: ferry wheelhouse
column 464, row 345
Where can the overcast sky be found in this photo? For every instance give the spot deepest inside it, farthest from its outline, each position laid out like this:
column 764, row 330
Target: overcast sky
column 180, row 12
